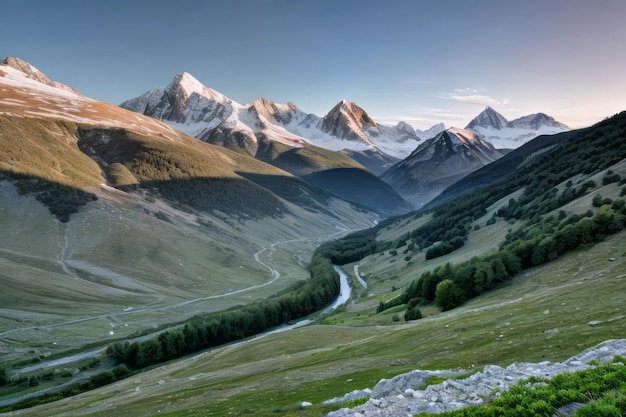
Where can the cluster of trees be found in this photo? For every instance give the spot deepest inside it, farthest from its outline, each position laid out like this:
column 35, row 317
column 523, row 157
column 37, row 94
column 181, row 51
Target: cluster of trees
column 228, row 195
column 95, row 381
column 206, row 331
column 61, row 200
column 444, row 247
column 353, row 247
column 450, row 284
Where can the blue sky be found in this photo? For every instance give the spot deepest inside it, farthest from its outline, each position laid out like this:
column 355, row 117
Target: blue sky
column 420, row 61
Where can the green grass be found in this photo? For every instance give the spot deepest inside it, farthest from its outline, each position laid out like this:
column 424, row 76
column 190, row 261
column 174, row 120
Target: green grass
column 143, row 264
column 602, row 390
column 315, row 363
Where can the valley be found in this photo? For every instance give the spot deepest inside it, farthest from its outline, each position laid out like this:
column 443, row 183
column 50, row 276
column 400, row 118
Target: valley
column 128, row 302
column 251, row 270
column 321, row 362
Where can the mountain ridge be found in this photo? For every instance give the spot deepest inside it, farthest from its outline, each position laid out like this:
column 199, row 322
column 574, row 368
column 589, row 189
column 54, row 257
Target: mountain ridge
column 345, row 126
column 270, row 132
column 505, row 134
column 439, row 162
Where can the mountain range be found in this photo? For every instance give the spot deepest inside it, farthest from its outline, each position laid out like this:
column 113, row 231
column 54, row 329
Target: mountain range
column 503, row 134
column 210, row 116
column 280, row 133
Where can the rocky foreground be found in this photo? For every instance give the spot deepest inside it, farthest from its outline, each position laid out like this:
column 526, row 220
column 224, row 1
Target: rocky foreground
column 401, row 396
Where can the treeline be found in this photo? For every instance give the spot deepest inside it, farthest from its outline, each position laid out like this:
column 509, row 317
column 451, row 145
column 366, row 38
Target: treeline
column 211, row 330
column 228, row 195
column 353, row 248
column 450, row 284
column 586, row 152
column 95, row 381
column 61, row 200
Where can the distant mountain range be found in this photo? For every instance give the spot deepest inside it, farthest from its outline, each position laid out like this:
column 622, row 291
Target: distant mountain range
column 282, row 135
column 210, row 116
column 415, row 162
column 337, row 152
column 132, row 149
column 503, row 134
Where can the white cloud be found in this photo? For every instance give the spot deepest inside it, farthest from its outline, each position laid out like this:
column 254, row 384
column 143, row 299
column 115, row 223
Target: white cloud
column 473, row 96
column 466, row 91
column 424, row 118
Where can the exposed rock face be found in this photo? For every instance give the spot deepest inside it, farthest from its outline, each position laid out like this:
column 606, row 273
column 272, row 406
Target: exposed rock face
column 348, row 121
column 439, row 162
column 401, row 396
column 273, row 112
column 488, row 118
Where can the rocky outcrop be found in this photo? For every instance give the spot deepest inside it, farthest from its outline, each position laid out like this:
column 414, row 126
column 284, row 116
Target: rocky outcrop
column 273, row 112
column 401, row 396
column 348, row 121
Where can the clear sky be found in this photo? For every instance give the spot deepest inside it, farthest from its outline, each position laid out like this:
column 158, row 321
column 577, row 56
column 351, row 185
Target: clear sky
column 420, row 61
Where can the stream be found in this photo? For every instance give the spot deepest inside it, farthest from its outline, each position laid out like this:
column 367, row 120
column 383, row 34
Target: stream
column 345, row 293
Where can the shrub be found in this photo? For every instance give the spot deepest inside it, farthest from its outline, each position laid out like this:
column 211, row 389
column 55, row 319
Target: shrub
column 597, row 200
column 448, row 295
column 413, row 313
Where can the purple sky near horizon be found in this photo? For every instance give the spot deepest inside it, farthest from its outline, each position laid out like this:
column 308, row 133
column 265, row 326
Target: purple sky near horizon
column 420, row 61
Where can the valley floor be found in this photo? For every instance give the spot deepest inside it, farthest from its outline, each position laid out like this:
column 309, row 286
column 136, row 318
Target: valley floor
column 550, row 312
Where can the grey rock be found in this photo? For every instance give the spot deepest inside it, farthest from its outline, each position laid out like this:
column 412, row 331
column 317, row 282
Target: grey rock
column 400, row 396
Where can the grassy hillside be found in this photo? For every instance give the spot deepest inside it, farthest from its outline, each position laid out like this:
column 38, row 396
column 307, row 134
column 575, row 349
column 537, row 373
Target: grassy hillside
column 548, row 311
column 155, row 227
column 335, row 173
column 47, row 149
column 304, row 160
column 502, row 167
column 541, row 315
column 157, row 248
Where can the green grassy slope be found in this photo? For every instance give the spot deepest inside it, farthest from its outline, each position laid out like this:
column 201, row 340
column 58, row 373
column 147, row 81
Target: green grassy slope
column 175, row 226
column 543, row 314
column 335, row 173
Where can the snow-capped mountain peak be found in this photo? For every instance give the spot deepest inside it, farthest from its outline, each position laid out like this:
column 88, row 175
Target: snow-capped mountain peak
column 430, row 132
column 493, row 127
column 464, row 136
column 438, row 162
column 488, row 118
column 537, row 121
column 188, row 85
column 32, row 73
